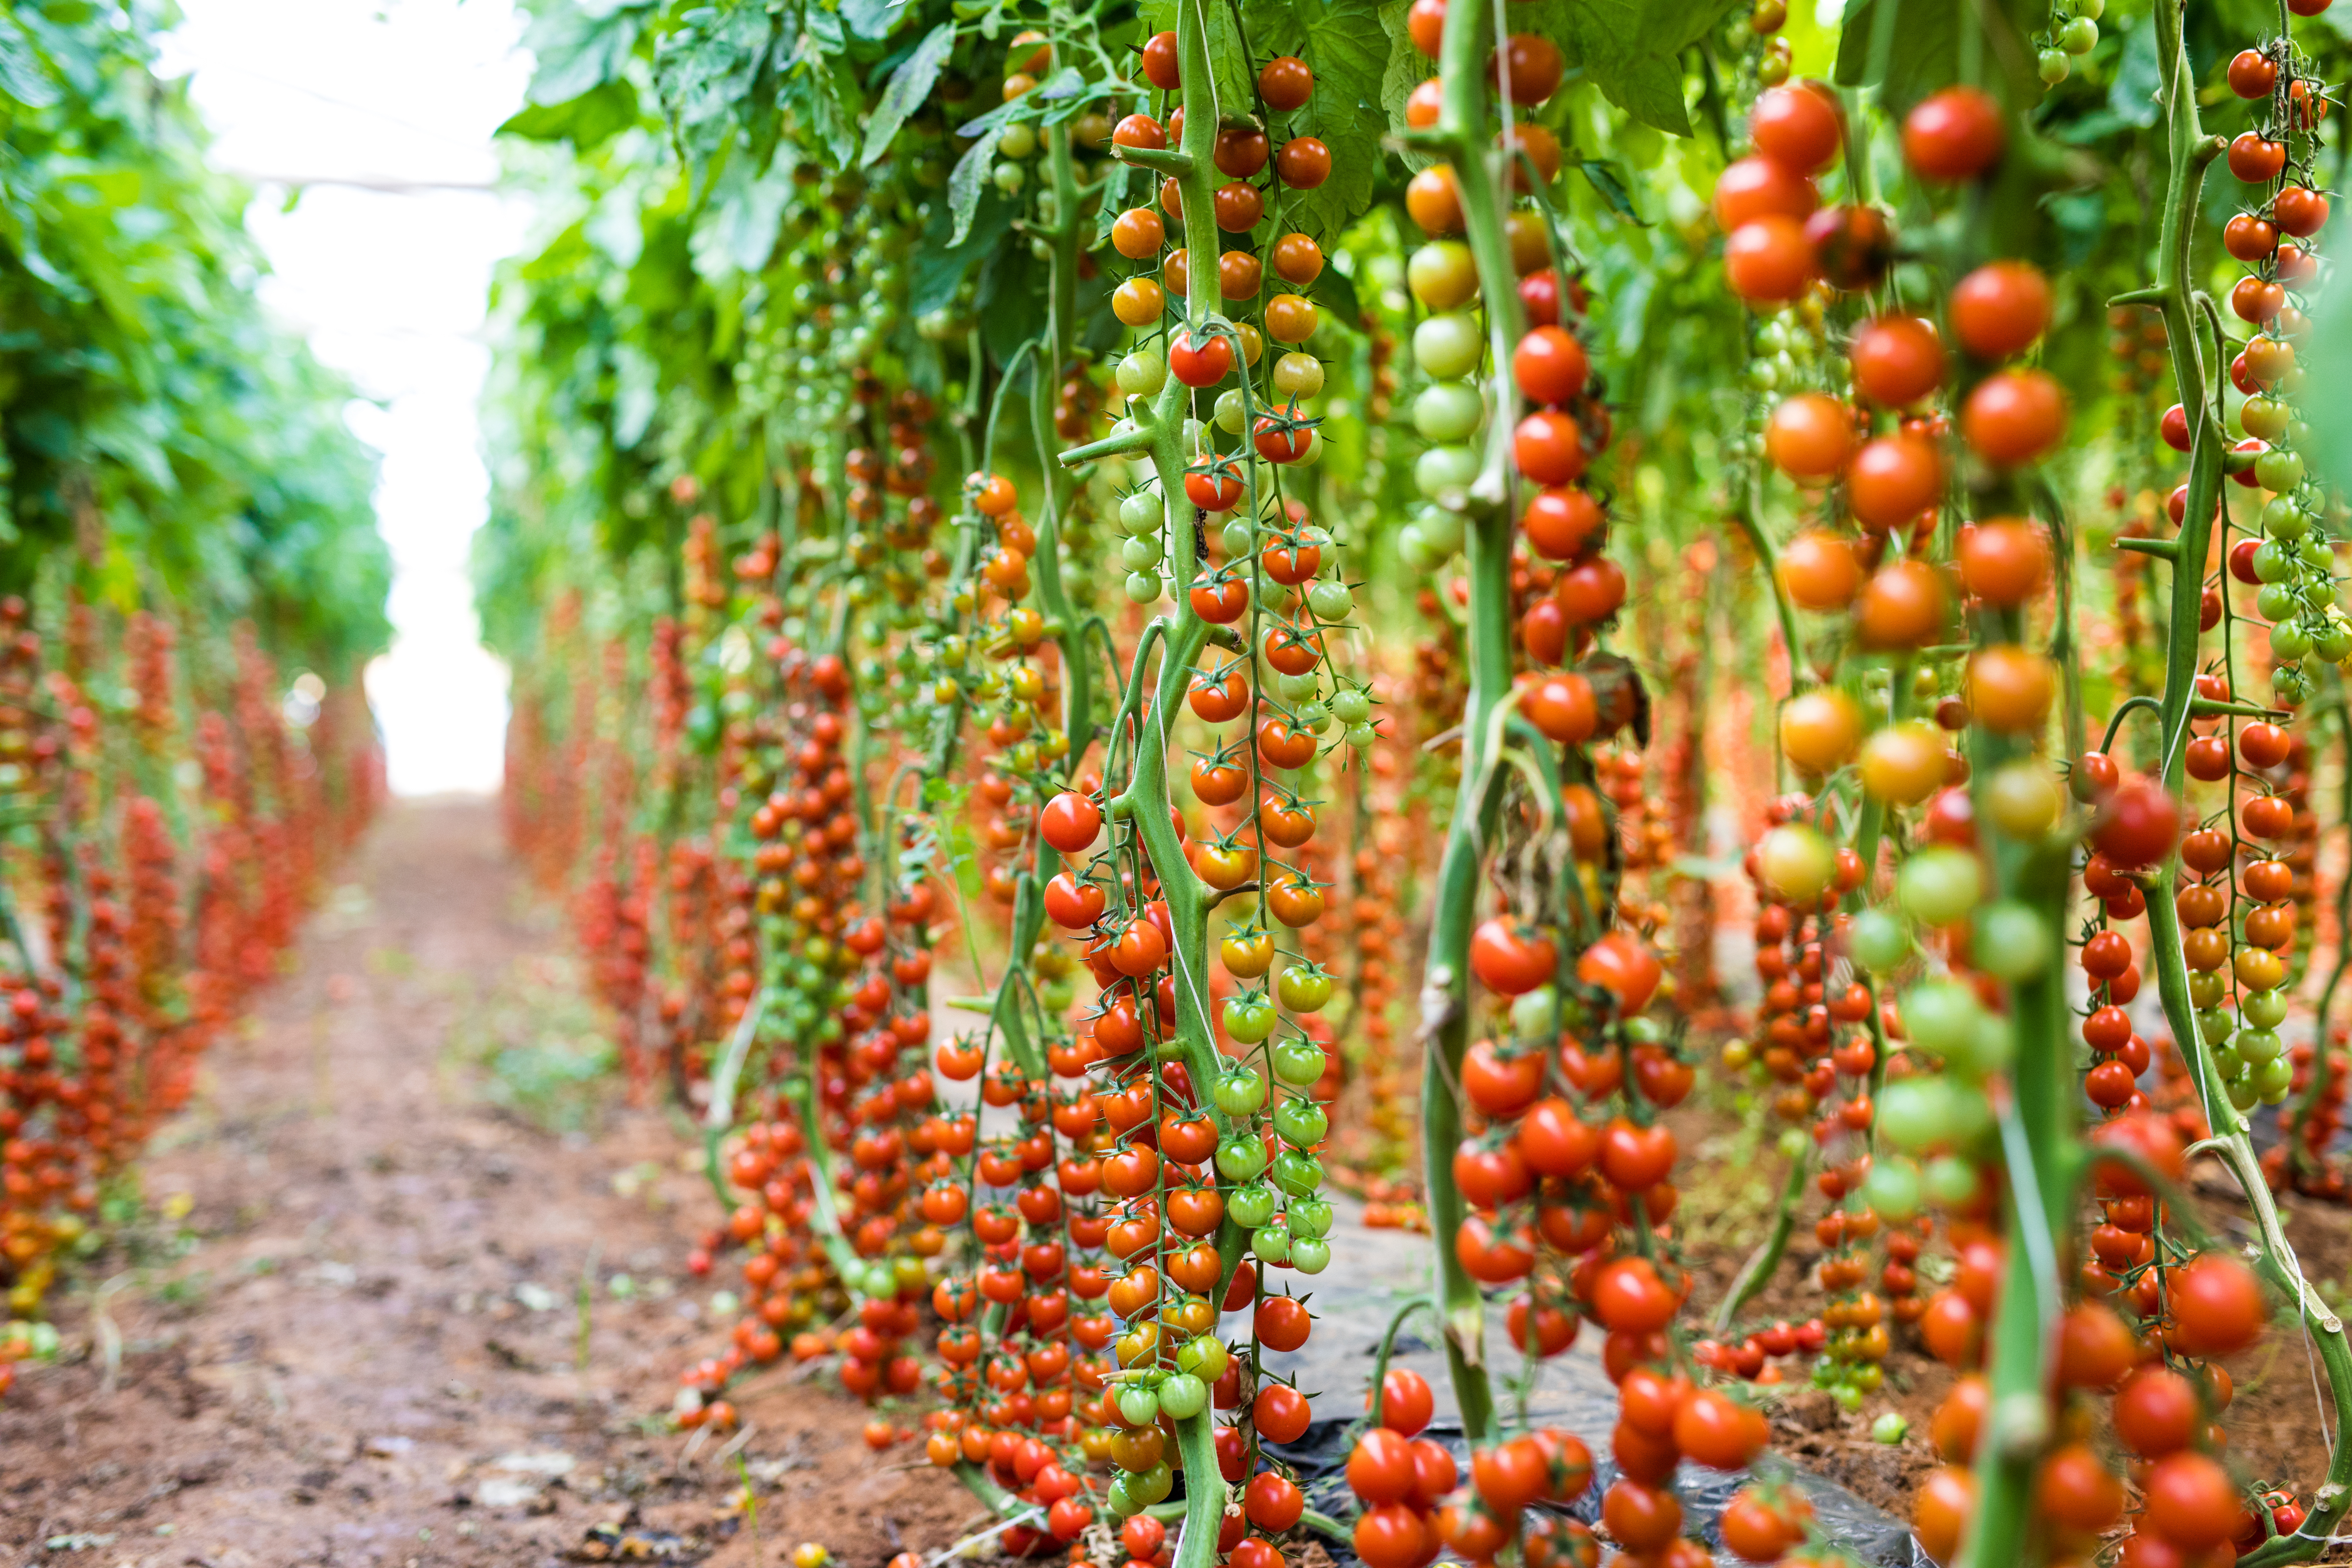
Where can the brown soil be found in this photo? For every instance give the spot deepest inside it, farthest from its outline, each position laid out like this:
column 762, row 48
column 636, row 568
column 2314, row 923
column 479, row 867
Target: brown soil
column 345, row 1327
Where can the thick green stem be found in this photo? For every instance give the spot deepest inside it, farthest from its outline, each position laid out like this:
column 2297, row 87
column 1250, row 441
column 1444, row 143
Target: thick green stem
column 2191, row 151
column 1446, row 989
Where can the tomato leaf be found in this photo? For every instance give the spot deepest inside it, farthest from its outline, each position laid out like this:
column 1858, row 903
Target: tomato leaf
column 22, row 76
column 578, row 52
column 587, row 121
column 909, row 85
column 1631, row 49
column 965, row 184
column 1610, row 181
column 1908, row 48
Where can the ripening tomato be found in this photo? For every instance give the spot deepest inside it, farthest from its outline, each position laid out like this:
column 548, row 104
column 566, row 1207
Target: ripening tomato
column 1562, row 523
column 2010, row 687
column 1809, row 436
column 1548, row 447
column 1510, row 958
column 1902, row 606
column 1952, row 136
column 1941, row 1509
column 1756, row 188
column 1563, row 707
column 1898, row 361
column 1406, row 1401
column 1550, row 365
column 1819, row 570
column 1798, row 126
column 2000, row 308
column 2005, row 561
column 1070, row 822
column 2014, row 416
column 1893, row 479
column 1820, row 729
column 1767, row 259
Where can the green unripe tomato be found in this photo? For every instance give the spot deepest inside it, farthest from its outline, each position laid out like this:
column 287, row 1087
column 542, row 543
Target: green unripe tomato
column 1240, row 1091
column 1892, row 1189
column 1330, row 600
column 2263, row 1009
column 2079, row 36
column 1939, row 885
column 2216, row 1027
column 1941, row 1016
column 1249, row 1016
column 2274, row 560
column 1991, row 1047
column 1151, row 1486
column 2289, row 641
column 2054, row 67
column 2274, row 1079
column 1448, row 411
column 1141, row 373
column 1296, row 1174
column 1253, row 1205
column 1298, row 689
column 1314, row 716
column 1272, row 1242
column 1448, row 346
column 1443, row 470
column 1880, row 941
column 1238, row 538
column 1139, row 516
column 1309, row 1254
column 1231, row 414
column 2284, row 517
column 1139, row 554
column 1301, row 1122
column 1138, row 1405
column 2278, row 470
column 1363, row 736
column 1949, row 1181
column 1310, row 1216
column 1008, row 177
column 1142, row 588
column 1535, row 1014
column 2276, row 601
column 1298, row 1063
column 1204, row 1356
column 1241, row 1157
column 1351, row 705
column 2243, row 1092
column 2260, row 1045
column 2333, row 641
column 1913, row 1111
column 1183, row 1396
column 2011, row 943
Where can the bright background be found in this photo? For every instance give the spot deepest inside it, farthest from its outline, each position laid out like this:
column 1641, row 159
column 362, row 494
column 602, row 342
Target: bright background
column 375, row 118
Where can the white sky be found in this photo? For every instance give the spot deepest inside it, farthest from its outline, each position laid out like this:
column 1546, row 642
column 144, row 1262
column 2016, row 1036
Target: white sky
column 389, row 277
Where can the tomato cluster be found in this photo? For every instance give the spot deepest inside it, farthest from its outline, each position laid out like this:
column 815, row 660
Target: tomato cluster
column 152, row 931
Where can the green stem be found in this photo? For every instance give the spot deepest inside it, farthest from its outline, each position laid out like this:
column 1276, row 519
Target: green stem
column 1445, row 990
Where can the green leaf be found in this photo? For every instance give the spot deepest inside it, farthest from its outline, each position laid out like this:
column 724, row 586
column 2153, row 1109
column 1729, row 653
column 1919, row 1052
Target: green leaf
column 909, row 85
column 23, row 75
column 1631, row 49
column 1232, row 79
column 1346, row 47
column 942, row 259
column 1609, row 181
column 875, row 20
column 1931, row 44
column 587, row 121
column 577, row 52
column 2139, row 78
column 965, row 184
column 1335, row 291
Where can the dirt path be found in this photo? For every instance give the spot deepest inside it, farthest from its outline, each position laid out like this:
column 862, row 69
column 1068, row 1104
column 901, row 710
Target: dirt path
column 347, row 1326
